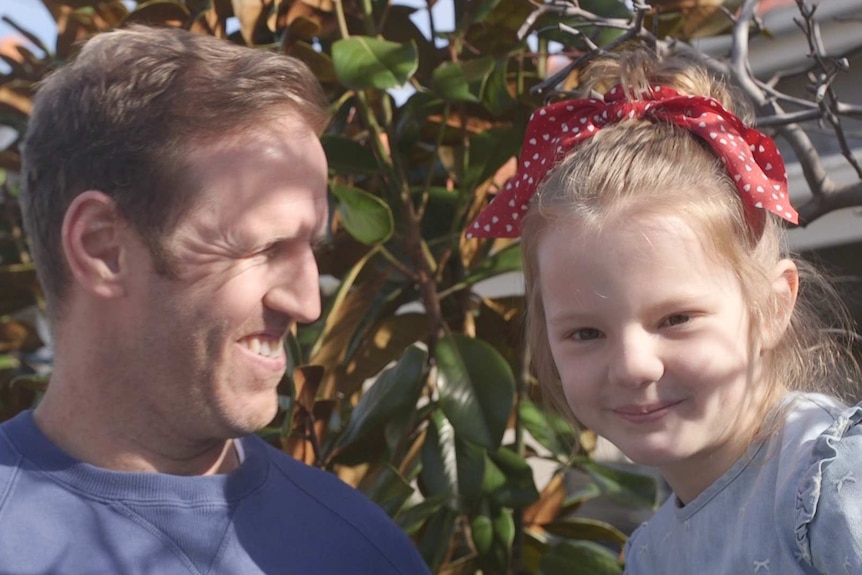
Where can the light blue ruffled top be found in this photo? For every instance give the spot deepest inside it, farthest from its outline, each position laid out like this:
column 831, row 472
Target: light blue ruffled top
column 791, row 505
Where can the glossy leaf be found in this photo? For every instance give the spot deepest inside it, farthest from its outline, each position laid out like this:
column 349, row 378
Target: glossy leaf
column 439, row 473
column 535, row 547
column 320, row 63
column 471, row 462
column 158, row 12
column 482, row 530
column 497, row 99
column 586, row 528
column 477, row 389
column 346, row 156
column 506, row 260
column 389, row 490
column 396, row 390
column 580, row 558
column 626, row 487
column 367, row 217
column 509, row 479
column 462, row 81
column 433, row 543
column 551, row 430
column 362, row 62
column 380, row 338
column 504, row 528
column 489, row 150
column 411, row 519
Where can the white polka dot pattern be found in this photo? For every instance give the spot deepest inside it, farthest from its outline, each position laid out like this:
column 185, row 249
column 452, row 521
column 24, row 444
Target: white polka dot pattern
column 750, row 156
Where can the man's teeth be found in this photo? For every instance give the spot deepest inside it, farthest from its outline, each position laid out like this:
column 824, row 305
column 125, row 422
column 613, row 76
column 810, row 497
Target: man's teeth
column 265, row 347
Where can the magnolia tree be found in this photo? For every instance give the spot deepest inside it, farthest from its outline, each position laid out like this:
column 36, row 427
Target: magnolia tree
column 413, row 385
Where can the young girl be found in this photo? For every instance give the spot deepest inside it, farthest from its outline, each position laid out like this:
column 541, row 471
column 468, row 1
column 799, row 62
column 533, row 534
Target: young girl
column 665, row 317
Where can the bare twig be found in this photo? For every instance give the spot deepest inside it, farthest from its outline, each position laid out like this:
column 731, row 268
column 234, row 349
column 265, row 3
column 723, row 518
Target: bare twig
column 634, row 29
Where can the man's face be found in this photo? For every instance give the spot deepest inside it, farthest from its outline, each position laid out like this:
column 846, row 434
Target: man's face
column 212, row 337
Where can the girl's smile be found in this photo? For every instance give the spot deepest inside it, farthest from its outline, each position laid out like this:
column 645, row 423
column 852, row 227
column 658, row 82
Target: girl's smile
column 645, row 413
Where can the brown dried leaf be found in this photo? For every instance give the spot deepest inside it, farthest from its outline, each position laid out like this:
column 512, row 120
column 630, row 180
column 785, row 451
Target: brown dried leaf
column 306, row 381
column 252, row 16
column 322, row 5
column 547, row 508
column 15, row 101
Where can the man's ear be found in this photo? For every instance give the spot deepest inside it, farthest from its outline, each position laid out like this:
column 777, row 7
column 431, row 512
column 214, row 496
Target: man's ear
column 785, row 288
column 92, row 239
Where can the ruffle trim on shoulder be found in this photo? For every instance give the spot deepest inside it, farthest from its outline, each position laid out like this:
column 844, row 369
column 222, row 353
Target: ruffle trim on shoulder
column 823, row 453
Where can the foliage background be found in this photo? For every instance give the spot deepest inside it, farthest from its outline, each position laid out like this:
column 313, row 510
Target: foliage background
column 412, row 386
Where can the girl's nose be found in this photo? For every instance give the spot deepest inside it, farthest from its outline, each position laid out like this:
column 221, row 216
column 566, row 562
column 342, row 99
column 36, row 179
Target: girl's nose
column 636, row 361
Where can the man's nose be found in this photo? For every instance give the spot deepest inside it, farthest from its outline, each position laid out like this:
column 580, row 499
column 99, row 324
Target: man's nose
column 295, row 288
column 636, row 360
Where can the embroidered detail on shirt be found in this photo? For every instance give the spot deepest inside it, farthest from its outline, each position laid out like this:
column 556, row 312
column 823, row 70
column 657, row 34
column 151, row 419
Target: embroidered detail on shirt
column 758, row 565
column 848, row 478
column 643, row 548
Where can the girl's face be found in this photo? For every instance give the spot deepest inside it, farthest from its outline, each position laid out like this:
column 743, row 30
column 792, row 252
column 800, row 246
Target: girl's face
column 652, row 343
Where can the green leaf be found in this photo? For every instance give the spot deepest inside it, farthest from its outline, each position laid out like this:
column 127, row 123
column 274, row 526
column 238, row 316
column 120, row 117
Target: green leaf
column 580, row 558
column 411, row 123
column 585, row 528
column 362, row 62
column 346, row 156
column 433, row 545
column 411, row 519
column 439, row 473
column 470, row 459
column 390, row 490
column 366, row 217
column 623, row 486
column 535, row 547
column 504, row 528
column 506, row 260
column 509, row 479
column 551, row 430
column 481, row 9
column 396, row 390
column 489, row 150
column 482, row 529
column 477, row 389
column 497, row 98
column 462, row 81
column 9, row 362
column 319, row 62
column 157, row 12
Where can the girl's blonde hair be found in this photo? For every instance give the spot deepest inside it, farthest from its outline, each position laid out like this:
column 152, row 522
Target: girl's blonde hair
column 641, row 168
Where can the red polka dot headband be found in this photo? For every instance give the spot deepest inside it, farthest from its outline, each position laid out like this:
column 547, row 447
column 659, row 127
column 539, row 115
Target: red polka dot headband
column 750, row 156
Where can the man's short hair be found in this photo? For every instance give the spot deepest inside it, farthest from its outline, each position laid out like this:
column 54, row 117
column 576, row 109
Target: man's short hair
column 121, row 116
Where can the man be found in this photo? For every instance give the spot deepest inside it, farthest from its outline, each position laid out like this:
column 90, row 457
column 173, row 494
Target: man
column 174, row 187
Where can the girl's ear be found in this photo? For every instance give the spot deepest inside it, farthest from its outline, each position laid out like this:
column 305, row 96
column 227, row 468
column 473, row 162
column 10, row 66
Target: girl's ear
column 92, row 239
column 785, row 288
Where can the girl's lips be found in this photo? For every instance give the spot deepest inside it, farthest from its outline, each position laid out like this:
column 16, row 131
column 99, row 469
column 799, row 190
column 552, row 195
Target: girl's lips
column 645, row 413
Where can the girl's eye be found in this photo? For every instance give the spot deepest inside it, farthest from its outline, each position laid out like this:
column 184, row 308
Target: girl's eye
column 676, row 319
column 586, row 334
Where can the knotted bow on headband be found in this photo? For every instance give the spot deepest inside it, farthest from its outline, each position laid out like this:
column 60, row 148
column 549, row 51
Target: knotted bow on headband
column 750, row 157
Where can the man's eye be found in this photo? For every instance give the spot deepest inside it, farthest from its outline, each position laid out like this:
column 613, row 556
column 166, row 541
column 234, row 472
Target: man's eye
column 586, row 334
column 676, row 319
